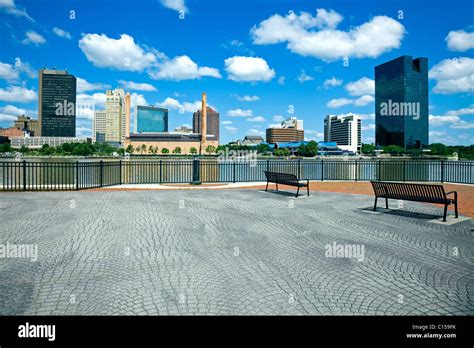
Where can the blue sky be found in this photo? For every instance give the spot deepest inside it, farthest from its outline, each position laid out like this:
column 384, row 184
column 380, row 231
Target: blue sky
column 254, row 59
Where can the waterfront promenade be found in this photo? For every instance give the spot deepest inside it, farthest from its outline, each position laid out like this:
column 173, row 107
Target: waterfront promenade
column 231, row 251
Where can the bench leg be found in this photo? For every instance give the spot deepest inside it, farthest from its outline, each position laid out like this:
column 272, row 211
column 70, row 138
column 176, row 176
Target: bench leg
column 276, row 186
column 386, row 202
column 297, row 192
column 307, row 189
column 456, row 208
column 266, row 188
column 445, row 212
column 375, row 203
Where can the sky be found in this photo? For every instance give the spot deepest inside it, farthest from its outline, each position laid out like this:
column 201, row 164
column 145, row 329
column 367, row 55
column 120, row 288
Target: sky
column 259, row 61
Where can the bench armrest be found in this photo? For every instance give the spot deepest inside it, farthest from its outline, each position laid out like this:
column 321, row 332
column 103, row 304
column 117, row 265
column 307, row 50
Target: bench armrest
column 455, row 193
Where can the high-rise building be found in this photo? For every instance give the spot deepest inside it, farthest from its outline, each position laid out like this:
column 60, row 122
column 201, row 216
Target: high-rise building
column 345, row 131
column 57, row 103
column 115, row 110
column 401, row 102
column 99, row 127
column 27, row 124
column 290, row 130
column 150, row 119
column 212, row 123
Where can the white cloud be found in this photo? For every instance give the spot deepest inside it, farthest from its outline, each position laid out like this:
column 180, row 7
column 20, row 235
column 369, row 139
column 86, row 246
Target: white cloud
column 176, row 5
column 226, row 122
column 135, row 86
column 121, row 54
column 238, row 46
column 32, row 37
column 317, row 36
column 303, row 77
column 17, row 94
column 16, row 111
column 248, row 98
column 10, row 7
column 361, row 87
column 460, row 40
column 182, row 68
column 338, row 102
column 281, row 80
column 240, row 68
column 364, row 100
column 453, row 121
column 171, row 103
column 239, row 113
column 313, row 135
column 332, row 82
column 255, row 131
column 61, row 33
column 231, row 129
column 86, row 104
column 278, row 118
column 85, row 86
column 8, row 72
column 464, row 111
column 256, row 119
column 453, row 76
column 368, row 127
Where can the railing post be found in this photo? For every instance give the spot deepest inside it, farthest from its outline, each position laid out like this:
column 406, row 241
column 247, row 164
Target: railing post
column 379, row 170
column 196, row 179
column 299, row 169
column 120, row 172
column 77, row 175
column 24, row 175
column 161, row 171
column 101, row 172
column 322, row 170
column 404, row 170
column 442, row 171
column 356, row 171
column 233, row 170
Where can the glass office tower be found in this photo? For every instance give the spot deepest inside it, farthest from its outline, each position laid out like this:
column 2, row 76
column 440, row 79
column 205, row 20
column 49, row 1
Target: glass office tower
column 57, row 104
column 149, row 119
column 401, row 103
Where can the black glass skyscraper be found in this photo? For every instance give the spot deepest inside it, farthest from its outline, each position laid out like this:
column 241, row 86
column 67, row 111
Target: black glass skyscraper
column 401, row 102
column 57, row 103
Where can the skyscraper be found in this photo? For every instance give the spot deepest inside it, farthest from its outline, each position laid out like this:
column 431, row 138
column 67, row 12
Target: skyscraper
column 150, row 119
column 56, row 103
column 345, row 131
column 212, row 123
column 115, row 117
column 99, row 126
column 401, row 102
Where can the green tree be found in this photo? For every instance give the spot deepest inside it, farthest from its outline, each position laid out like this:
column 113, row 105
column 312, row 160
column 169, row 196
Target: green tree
column 177, row 149
column 6, row 147
column 142, row 149
column 210, row 149
column 263, row 148
column 311, row 149
column 368, row 149
column 193, row 150
column 165, row 151
column 151, row 149
column 393, row 149
column 438, row 149
column 129, row 149
column 24, row 149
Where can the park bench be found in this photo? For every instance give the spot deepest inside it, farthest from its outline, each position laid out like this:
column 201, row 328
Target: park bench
column 285, row 179
column 414, row 192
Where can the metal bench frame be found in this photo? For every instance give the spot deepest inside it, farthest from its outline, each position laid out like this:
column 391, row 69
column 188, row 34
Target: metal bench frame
column 285, row 179
column 415, row 192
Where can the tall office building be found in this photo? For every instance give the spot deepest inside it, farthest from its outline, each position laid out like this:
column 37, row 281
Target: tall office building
column 401, row 102
column 212, row 123
column 115, row 110
column 99, row 126
column 289, row 131
column 345, row 131
column 56, row 103
column 149, row 119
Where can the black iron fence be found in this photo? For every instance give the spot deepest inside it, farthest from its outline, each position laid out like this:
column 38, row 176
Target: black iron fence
column 36, row 176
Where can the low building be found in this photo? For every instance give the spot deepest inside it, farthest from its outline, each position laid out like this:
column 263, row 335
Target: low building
column 183, row 129
column 169, row 141
column 329, row 148
column 290, row 130
column 11, row 132
column 27, row 124
column 251, row 140
column 38, row 142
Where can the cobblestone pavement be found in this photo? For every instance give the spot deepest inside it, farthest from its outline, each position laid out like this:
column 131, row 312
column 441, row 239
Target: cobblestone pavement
column 230, row 252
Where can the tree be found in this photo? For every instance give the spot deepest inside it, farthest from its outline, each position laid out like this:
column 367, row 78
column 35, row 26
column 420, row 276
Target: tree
column 129, row 149
column 302, row 150
column 142, row 149
column 177, row 149
column 210, row 149
column 24, row 149
column 165, row 150
column 438, row 149
column 193, row 150
column 151, row 149
column 262, row 148
column 368, row 149
column 6, row 147
column 137, row 149
column 394, row 149
column 311, row 149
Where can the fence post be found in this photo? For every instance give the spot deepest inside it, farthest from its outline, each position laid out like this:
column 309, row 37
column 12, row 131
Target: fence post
column 120, row 172
column 268, row 165
column 196, row 179
column 233, row 169
column 77, row 175
column 322, row 170
column 356, row 171
column 161, row 171
column 404, row 170
column 24, row 175
column 299, row 169
column 379, row 171
column 442, row 171
column 101, row 172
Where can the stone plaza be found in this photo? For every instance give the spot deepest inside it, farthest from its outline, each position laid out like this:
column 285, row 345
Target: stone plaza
column 231, row 252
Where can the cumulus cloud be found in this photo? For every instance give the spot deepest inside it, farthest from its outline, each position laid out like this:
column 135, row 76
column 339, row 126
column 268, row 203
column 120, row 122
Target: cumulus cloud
column 33, row 38
column 121, row 54
column 171, row 103
column 464, row 111
column 281, row 80
column 61, row 33
column 182, row 68
column 332, row 82
column 85, row 86
column 8, row 72
column 136, row 86
column 10, row 7
column 255, row 131
column 231, row 129
column 176, row 5
column 453, row 121
column 303, row 77
column 454, row 75
column 14, row 111
column 361, row 87
column 239, row 113
column 338, row 102
column 226, row 122
column 460, row 40
column 240, row 68
column 247, row 98
column 364, row 100
column 317, row 36
column 256, row 119
column 17, row 94
column 278, row 118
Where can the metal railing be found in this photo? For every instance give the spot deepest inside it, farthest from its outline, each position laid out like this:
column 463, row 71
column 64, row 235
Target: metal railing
column 37, row 176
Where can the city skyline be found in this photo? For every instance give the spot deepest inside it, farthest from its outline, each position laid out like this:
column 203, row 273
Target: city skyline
column 253, row 72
